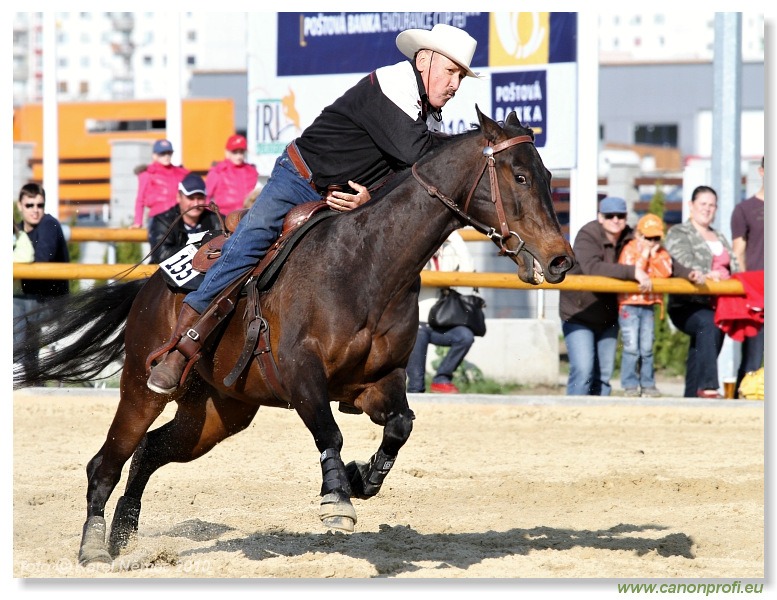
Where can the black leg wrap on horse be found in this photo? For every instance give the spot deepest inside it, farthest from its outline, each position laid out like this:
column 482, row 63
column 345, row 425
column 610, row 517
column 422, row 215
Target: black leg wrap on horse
column 366, row 479
column 333, row 473
column 125, row 524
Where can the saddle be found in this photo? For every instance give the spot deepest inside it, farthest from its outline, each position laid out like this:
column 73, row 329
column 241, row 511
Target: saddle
column 298, row 221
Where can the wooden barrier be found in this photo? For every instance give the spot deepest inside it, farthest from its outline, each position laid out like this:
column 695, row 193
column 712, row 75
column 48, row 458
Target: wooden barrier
column 591, row 283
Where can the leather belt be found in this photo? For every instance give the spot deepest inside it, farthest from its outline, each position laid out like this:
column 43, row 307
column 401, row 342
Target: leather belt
column 299, row 164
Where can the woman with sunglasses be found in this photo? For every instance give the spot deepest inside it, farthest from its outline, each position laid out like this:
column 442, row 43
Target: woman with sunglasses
column 696, row 244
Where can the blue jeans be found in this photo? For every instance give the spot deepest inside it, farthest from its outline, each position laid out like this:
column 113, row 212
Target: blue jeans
column 637, row 334
column 460, row 340
column 591, row 358
column 256, row 231
column 701, row 364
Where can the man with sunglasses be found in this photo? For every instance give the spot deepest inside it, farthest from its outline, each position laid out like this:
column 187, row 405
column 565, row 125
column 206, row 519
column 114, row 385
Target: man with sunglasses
column 48, row 241
column 589, row 320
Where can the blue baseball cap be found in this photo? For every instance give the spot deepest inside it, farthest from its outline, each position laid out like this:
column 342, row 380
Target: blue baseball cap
column 613, row 204
column 192, row 184
column 162, row 146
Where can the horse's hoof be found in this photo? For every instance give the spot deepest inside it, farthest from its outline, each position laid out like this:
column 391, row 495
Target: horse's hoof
column 341, row 524
column 337, row 512
column 93, row 550
column 103, row 564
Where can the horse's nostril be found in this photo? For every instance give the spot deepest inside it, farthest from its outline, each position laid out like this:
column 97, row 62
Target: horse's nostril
column 560, row 264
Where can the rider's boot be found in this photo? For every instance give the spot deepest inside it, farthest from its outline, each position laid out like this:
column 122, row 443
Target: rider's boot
column 166, row 375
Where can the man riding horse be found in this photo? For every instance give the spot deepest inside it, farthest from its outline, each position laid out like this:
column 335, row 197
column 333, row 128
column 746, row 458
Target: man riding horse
column 382, row 125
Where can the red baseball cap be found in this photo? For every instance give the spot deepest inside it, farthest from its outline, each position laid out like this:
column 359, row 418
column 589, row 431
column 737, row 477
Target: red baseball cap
column 237, row 142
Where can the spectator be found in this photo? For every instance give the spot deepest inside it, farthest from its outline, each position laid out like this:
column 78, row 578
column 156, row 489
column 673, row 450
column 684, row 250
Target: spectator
column 697, row 245
column 171, row 232
column 635, row 311
column 747, row 233
column 451, row 256
column 232, row 180
column 23, row 251
column 589, row 320
column 31, row 303
column 383, row 124
column 158, row 183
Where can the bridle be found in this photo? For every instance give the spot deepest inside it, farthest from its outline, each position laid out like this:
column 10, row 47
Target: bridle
column 496, row 197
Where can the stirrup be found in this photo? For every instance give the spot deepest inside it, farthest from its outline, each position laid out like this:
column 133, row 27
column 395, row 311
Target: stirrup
column 173, row 370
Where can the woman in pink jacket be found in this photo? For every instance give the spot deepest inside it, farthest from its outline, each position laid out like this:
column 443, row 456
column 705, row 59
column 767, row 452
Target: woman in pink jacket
column 230, row 181
column 158, row 183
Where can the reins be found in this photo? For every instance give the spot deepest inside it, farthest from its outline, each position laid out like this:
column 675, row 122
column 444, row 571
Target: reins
column 496, row 197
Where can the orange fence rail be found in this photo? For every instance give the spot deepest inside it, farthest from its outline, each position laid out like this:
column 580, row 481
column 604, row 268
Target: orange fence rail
column 428, row 278
column 591, row 283
column 125, row 234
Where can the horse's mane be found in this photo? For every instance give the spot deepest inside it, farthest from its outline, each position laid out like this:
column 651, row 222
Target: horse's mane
column 398, row 178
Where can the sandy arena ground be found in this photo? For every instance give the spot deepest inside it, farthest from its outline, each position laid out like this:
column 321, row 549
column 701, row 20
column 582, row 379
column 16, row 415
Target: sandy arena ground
column 531, row 489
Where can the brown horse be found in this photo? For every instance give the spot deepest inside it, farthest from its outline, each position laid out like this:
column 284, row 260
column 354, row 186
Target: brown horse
column 342, row 317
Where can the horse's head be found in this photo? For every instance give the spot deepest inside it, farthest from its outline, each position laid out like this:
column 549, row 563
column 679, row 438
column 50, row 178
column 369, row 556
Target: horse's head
column 516, row 203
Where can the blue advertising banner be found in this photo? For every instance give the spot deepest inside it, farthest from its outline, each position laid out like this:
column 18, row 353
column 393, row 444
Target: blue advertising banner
column 563, row 37
column 524, row 92
column 301, row 62
column 335, row 43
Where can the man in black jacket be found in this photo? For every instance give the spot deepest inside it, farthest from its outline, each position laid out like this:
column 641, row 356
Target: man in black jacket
column 196, row 219
column 31, row 304
column 589, row 320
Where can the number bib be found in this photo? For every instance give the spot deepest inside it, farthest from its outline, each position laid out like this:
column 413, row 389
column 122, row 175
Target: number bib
column 178, row 270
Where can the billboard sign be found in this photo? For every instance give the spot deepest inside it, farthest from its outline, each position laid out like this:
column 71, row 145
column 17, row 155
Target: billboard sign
column 300, row 63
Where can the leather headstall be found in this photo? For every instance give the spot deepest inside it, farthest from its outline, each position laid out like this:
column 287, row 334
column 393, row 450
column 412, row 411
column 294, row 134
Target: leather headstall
column 496, row 197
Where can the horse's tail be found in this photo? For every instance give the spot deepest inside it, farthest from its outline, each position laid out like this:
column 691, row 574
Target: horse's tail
column 84, row 333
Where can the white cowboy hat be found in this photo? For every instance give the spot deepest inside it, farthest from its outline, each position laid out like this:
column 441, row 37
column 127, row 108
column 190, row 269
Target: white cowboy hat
column 449, row 41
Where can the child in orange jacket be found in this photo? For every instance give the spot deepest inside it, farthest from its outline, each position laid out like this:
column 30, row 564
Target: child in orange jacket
column 635, row 311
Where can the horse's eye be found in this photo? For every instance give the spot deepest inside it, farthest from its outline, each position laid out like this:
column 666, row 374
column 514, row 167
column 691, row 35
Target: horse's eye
column 521, row 179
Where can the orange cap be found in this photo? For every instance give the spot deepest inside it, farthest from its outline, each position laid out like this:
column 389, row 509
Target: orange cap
column 651, row 226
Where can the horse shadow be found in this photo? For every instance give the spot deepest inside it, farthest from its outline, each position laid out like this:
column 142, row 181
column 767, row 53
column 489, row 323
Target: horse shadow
column 400, row 548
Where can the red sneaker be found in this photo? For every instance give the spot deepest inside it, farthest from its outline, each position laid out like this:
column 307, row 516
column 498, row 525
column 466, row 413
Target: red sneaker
column 445, row 388
column 708, row 394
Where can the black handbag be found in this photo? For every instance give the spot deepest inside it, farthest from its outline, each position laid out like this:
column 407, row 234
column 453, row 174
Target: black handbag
column 453, row 308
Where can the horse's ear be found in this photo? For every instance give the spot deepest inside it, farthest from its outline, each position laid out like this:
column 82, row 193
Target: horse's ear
column 490, row 128
column 512, row 119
